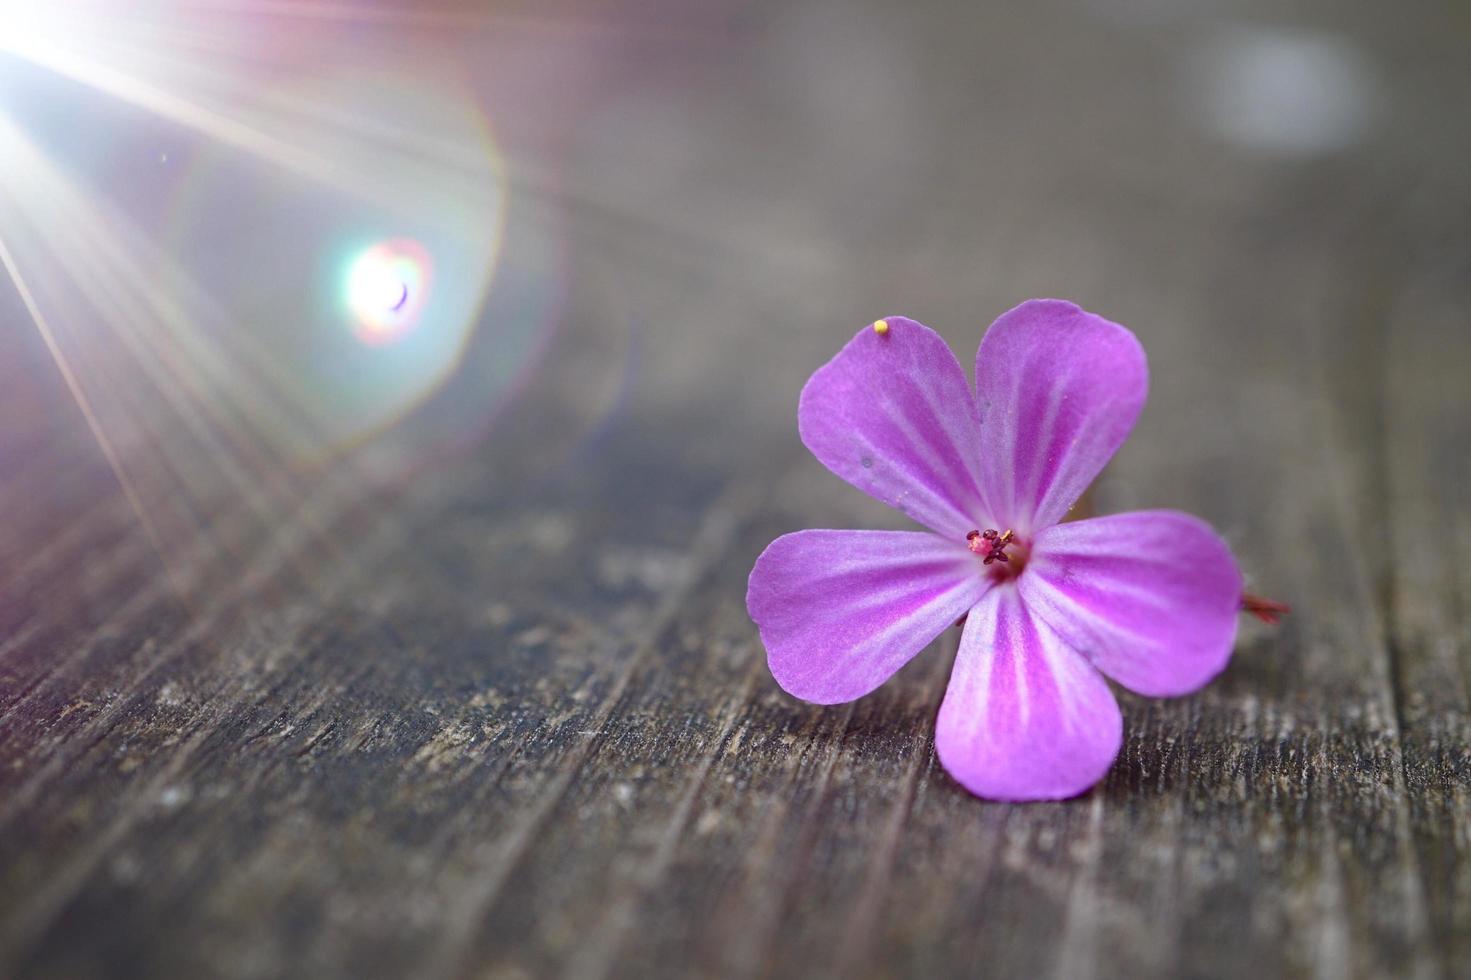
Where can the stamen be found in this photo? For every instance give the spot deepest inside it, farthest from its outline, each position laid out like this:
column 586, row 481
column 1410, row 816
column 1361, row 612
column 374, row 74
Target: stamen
column 990, row 543
column 881, row 327
column 1269, row 611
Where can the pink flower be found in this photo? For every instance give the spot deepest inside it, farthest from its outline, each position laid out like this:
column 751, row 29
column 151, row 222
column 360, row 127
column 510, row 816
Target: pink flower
column 1149, row 599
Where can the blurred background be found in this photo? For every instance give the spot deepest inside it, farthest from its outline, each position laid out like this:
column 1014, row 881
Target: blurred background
column 268, row 242
column 382, row 378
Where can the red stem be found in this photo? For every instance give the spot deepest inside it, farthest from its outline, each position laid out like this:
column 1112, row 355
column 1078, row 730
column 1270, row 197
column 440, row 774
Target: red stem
column 1269, row 611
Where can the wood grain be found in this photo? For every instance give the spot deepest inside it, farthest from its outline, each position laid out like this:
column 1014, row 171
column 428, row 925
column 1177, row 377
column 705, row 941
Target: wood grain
column 505, row 715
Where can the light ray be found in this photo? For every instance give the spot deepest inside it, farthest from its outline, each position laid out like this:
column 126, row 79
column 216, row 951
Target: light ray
column 202, row 77
column 124, row 339
column 210, row 386
column 74, row 386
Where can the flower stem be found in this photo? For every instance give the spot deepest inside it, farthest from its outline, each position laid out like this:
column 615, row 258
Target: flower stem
column 1269, row 611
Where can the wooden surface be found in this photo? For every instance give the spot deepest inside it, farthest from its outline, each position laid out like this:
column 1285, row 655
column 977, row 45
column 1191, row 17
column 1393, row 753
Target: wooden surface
column 505, row 716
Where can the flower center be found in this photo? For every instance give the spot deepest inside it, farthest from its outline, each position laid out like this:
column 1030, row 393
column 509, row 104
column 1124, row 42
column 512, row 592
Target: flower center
column 991, row 545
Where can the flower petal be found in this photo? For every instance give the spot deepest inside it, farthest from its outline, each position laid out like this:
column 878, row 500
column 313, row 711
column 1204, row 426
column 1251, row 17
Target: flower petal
column 893, row 415
column 1151, row 597
column 1058, row 390
column 1025, row 717
column 841, row 611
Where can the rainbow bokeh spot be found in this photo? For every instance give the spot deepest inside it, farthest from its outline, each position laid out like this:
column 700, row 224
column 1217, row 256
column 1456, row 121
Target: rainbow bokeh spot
column 386, row 289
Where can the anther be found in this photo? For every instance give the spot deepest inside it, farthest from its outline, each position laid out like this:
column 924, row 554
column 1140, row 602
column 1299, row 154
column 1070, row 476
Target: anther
column 881, row 327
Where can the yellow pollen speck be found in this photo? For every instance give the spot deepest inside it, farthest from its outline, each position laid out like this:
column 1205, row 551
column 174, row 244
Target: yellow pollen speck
column 881, row 327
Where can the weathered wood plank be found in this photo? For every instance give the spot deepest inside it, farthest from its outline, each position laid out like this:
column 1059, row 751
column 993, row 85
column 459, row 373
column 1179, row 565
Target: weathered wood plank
column 510, row 719
column 1426, row 517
